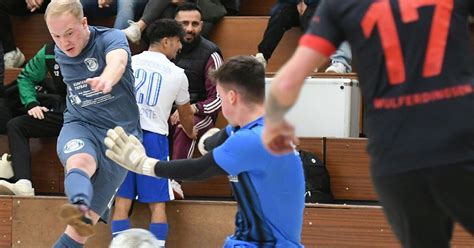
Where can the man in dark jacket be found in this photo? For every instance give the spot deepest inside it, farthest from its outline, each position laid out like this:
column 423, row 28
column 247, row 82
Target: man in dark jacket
column 198, row 57
column 31, row 108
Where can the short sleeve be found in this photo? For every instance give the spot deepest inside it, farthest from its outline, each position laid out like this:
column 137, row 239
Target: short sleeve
column 115, row 39
column 183, row 92
column 241, row 152
column 323, row 33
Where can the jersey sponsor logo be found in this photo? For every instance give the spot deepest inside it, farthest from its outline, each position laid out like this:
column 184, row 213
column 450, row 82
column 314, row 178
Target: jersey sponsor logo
column 92, row 64
column 233, row 179
column 73, row 145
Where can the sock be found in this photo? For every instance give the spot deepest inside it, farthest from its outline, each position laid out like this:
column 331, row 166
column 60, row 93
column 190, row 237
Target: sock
column 160, row 230
column 78, row 187
column 67, row 242
column 119, row 226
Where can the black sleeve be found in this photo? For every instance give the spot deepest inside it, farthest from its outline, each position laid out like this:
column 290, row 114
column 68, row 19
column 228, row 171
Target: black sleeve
column 215, row 140
column 189, row 169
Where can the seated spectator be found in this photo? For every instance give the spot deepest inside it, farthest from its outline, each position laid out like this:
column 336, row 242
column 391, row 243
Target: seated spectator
column 13, row 57
column 42, row 116
column 128, row 12
column 291, row 13
column 2, row 68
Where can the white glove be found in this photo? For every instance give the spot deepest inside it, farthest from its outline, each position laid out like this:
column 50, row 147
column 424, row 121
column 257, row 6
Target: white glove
column 128, row 152
column 206, row 135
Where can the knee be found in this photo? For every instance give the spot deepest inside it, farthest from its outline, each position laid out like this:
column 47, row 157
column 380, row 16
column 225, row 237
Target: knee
column 16, row 124
column 82, row 161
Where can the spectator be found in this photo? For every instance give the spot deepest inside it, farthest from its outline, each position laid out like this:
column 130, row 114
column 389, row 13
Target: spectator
column 421, row 141
column 129, row 10
column 41, row 116
column 260, row 180
column 13, row 57
column 159, row 83
column 2, row 67
column 96, row 66
column 290, row 13
column 198, row 57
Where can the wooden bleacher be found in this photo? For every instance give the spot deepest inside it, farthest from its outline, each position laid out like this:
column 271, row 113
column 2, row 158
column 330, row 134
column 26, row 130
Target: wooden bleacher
column 204, row 224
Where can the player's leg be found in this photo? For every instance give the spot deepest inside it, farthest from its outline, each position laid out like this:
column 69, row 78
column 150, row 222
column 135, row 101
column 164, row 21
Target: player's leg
column 415, row 217
column 156, row 191
column 159, row 224
column 123, row 203
column 453, row 187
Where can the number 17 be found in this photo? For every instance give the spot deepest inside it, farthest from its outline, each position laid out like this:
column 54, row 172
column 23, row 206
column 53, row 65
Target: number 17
column 380, row 14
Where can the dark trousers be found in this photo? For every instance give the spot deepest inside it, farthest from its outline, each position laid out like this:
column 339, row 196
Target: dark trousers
column 17, row 8
column 2, row 68
column 19, row 130
column 422, row 205
column 284, row 16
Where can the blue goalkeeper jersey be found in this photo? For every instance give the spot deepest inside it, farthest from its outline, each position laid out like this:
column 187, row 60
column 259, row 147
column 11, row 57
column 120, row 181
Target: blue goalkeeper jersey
column 269, row 189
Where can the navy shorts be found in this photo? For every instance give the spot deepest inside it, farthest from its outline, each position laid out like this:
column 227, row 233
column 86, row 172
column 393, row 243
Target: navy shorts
column 79, row 137
column 145, row 188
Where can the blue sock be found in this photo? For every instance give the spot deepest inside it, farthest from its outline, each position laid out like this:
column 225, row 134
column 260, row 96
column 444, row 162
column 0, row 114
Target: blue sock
column 78, row 187
column 160, row 230
column 119, row 226
column 67, row 242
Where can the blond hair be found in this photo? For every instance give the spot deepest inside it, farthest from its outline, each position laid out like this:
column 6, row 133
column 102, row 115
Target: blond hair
column 59, row 7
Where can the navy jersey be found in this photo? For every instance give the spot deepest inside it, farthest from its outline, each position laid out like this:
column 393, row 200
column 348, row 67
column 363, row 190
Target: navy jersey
column 95, row 108
column 416, row 71
column 269, row 189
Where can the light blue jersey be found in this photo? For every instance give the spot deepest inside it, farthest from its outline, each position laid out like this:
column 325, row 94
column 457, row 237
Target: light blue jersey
column 94, row 108
column 269, row 190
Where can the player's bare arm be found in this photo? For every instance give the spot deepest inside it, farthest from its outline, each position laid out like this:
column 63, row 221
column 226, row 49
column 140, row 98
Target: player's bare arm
column 278, row 135
column 116, row 62
column 186, row 115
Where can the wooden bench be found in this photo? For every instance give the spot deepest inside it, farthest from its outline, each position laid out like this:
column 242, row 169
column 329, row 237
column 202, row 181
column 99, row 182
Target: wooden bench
column 204, row 224
column 348, row 165
column 345, row 159
column 254, row 8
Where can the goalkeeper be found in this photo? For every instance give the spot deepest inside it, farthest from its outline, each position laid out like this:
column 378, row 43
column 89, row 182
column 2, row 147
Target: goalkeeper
column 269, row 189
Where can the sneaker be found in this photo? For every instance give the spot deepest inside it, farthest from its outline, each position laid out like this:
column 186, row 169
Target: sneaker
column 76, row 216
column 178, row 192
column 133, row 32
column 22, row 187
column 14, row 59
column 6, row 169
column 337, row 67
column 259, row 57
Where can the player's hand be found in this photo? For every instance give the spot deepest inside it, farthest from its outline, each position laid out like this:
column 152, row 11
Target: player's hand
column 201, row 147
column 104, row 3
column 174, row 118
column 37, row 112
column 128, row 152
column 301, row 7
column 279, row 137
column 192, row 135
column 33, row 5
column 100, row 84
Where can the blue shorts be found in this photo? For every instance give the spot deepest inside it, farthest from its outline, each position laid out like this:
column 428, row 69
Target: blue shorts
column 145, row 188
column 79, row 137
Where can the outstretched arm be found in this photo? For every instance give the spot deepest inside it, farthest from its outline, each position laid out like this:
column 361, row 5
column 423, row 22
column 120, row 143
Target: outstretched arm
column 116, row 63
column 278, row 134
column 127, row 151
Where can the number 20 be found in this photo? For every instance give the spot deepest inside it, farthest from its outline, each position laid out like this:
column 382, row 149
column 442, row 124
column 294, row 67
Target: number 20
column 380, row 14
column 150, row 94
